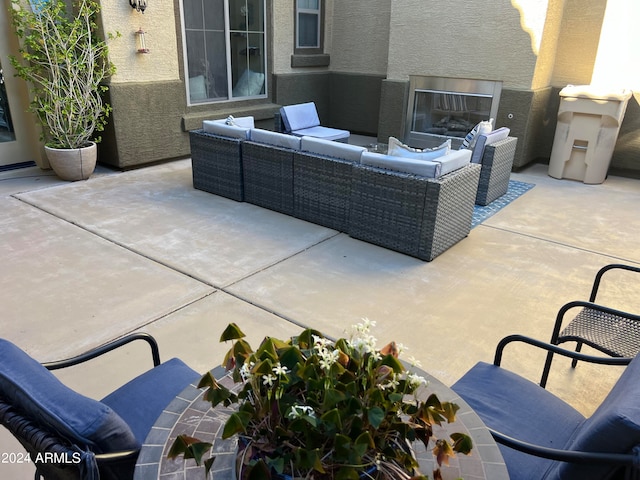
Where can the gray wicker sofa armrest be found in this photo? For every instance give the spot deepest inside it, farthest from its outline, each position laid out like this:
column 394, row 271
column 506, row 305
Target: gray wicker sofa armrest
column 497, row 162
column 217, row 164
column 418, row 216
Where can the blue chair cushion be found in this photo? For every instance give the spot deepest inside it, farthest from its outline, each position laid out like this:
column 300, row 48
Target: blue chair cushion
column 141, row 401
column 300, row 116
column 521, row 409
column 302, row 120
column 614, row 427
column 34, row 390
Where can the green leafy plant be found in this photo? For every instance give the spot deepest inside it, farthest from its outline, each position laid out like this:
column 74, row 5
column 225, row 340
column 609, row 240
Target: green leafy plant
column 316, row 409
column 65, row 62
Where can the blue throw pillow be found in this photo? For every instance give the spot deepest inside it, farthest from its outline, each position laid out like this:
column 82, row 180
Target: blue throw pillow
column 37, row 393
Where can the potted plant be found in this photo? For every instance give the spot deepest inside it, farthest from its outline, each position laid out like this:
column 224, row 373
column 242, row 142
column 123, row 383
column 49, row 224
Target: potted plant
column 65, row 62
column 311, row 408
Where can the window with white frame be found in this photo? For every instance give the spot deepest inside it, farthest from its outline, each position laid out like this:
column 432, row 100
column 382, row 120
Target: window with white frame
column 309, row 26
column 225, row 49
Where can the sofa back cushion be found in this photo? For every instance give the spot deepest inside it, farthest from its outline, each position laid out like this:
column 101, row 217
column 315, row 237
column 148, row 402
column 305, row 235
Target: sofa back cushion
column 399, row 149
column 275, row 138
column 453, row 161
column 425, row 168
column 36, row 392
column 230, row 127
column 330, row 148
column 485, row 139
column 297, row 117
column 246, row 122
column 614, row 427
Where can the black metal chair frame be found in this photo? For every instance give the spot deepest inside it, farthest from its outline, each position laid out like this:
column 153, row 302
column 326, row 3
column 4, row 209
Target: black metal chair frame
column 591, row 311
column 37, row 439
column 630, row 461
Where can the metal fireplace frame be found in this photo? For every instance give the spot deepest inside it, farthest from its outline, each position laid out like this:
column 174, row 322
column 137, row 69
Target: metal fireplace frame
column 457, row 91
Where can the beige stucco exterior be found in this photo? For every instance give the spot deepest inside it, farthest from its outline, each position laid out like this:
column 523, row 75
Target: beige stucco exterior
column 535, row 47
column 462, row 39
column 360, row 41
column 578, row 45
column 158, row 23
column 281, row 28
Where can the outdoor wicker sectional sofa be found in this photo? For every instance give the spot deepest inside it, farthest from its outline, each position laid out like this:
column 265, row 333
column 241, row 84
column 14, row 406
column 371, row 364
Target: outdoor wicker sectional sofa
column 330, row 184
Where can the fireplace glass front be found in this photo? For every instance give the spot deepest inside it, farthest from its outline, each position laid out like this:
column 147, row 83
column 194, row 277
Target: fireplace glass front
column 441, row 108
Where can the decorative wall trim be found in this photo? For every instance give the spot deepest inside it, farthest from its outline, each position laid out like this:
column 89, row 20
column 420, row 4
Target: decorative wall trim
column 320, row 60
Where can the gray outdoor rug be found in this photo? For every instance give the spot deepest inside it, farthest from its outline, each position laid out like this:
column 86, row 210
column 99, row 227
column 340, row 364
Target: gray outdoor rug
column 516, row 189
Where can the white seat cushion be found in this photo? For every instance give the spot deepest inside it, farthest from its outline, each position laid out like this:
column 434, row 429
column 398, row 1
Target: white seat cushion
column 324, row 133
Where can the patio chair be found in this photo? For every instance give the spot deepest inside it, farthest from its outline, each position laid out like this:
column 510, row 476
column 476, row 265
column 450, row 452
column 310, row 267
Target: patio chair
column 608, row 330
column 70, row 436
column 543, row 438
column 302, row 120
column 496, row 158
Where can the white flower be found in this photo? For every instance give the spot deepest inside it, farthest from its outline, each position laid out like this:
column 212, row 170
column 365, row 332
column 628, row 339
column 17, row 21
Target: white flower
column 392, row 384
column 320, row 343
column 363, row 343
column 268, row 379
column 298, row 411
column 328, row 358
column 416, row 380
column 279, row 370
column 365, row 325
column 414, row 362
column 245, row 370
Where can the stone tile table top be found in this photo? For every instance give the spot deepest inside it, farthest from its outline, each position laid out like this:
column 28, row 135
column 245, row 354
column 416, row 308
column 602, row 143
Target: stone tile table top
column 189, row 414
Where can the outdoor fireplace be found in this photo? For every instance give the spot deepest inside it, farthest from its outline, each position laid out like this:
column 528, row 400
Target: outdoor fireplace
column 441, row 108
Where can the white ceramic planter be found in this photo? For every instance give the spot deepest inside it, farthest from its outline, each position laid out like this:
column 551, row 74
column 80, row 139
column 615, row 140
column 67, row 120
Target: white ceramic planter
column 73, row 164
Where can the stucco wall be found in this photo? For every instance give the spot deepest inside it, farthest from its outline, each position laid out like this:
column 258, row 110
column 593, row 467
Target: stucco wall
column 544, row 39
column 282, row 33
column 464, row 39
column 159, row 24
column 578, row 43
column 360, row 41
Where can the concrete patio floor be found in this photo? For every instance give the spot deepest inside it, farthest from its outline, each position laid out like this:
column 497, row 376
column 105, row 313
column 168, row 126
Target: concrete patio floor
column 87, row 262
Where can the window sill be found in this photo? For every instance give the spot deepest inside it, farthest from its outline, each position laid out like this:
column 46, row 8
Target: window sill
column 193, row 120
column 319, row 60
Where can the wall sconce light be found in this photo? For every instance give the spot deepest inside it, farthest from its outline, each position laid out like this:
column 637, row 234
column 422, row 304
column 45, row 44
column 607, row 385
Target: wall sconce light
column 142, row 44
column 139, row 5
